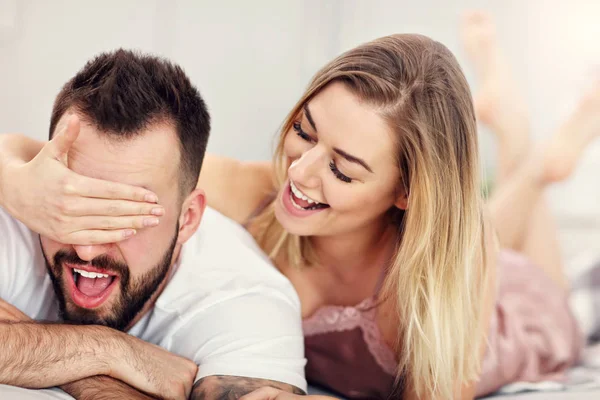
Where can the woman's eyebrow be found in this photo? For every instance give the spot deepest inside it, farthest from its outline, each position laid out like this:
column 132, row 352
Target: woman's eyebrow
column 353, row 159
column 311, row 121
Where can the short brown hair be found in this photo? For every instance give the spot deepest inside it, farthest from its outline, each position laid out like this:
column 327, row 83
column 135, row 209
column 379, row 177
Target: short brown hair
column 122, row 92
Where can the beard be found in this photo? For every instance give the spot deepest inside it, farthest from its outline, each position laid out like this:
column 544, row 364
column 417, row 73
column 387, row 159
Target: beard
column 134, row 293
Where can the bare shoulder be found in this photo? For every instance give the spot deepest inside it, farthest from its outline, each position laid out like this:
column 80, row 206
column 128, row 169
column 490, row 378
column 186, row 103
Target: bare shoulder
column 235, row 188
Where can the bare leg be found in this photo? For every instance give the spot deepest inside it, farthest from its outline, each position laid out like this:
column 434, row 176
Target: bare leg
column 518, row 199
column 541, row 244
column 564, row 150
column 498, row 104
column 501, row 107
column 574, row 135
column 525, row 225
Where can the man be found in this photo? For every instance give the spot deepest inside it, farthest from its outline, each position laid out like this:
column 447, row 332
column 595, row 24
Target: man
column 199, row 307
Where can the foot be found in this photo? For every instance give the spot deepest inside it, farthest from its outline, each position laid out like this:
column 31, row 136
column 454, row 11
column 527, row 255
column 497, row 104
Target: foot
column 566, row 147
column 498, row 104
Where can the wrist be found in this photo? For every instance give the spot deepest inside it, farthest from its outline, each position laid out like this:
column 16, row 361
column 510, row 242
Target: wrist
column 8, row 171
column 119, row 354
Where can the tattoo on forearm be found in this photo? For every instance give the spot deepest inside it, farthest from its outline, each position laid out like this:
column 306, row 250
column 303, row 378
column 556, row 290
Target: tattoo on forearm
column 221, row 387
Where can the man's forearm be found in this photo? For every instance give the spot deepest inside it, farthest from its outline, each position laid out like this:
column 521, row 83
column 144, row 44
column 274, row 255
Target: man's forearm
column 15, row 148
column 103, row 388
column 36, row 355
column 93, row 388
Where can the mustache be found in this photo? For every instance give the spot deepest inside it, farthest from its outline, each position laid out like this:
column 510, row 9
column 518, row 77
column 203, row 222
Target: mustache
column 101, row 262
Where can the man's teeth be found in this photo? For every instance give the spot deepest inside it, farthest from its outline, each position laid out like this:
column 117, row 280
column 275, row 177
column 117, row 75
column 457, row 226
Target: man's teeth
column 301, row 195
column 87, row 274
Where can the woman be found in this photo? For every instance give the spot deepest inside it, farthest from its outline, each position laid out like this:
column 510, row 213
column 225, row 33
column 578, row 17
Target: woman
column 373, row 209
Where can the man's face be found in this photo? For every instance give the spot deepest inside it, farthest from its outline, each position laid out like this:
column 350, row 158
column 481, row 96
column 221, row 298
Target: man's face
column 109, row 284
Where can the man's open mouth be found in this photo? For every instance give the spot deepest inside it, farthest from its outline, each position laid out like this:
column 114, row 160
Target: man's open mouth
column 90, row 287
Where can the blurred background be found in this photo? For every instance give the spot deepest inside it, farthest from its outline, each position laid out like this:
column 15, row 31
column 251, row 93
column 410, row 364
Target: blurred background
column 252, row 59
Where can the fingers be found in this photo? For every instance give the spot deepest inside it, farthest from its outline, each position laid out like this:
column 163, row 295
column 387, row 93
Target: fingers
column 264, row 393
column 95, row 237
column 8, row 312
column 114, row 223
column 66, row 135
column 77, row 207
column 97, row 188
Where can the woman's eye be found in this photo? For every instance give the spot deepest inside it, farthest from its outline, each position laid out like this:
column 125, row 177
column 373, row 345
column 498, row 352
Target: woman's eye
column 305, row 136
column 338, row 174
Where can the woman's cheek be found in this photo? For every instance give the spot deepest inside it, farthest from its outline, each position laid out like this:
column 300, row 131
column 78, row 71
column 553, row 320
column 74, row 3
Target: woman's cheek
column 294, row 146
column 288, row 146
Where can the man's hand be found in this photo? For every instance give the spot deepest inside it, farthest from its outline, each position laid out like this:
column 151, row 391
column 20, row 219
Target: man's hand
column 155, row 370
column 219, row 387
column 10, row 313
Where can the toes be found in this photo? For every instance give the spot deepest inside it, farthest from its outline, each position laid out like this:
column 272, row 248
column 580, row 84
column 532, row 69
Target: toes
column 478, row 31
column 590, row 102
column 484, row 109
column 476, row 17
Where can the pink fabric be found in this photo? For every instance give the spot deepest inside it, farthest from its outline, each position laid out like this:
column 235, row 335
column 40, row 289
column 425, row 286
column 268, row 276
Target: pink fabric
column 340, row 319
column 533, row 336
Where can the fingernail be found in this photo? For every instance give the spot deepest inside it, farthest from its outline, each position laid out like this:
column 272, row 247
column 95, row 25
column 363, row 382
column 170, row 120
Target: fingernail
column 150, row 221
column 151, row 198
column 129, row 233
column 157, row 211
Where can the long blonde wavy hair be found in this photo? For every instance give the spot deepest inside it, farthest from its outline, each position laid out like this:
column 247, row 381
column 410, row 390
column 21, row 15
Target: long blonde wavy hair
column 435, row 280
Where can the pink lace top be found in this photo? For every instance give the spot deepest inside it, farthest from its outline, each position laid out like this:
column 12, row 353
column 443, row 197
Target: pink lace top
column 533, row 336
column 347, row 353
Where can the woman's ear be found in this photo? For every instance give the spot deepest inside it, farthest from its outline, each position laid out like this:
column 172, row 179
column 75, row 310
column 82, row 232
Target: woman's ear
column 191, row 214
column 402, row 199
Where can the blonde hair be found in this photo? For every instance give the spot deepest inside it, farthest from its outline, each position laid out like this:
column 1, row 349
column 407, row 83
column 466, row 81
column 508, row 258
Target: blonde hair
column 435, row 280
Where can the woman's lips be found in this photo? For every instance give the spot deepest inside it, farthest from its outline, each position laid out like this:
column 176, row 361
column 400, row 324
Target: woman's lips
column 288, row 204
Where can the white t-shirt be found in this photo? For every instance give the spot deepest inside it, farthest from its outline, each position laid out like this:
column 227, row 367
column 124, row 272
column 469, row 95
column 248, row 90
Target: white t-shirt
column 226, row 306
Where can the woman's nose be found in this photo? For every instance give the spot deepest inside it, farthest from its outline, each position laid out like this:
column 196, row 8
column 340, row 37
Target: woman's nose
column 305, row 170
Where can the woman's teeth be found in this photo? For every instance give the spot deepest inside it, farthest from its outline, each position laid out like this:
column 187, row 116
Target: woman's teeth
column 301, row 195
column 299, row 207
column 296, row 192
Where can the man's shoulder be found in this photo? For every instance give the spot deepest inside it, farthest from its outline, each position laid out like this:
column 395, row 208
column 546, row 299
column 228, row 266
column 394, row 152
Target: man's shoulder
column 221, row 244
column 9, row 225
column 18, row 242
column 22, row 268
column 222, row 261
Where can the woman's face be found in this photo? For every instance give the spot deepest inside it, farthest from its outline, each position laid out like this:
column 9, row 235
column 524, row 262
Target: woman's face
column 343, row 175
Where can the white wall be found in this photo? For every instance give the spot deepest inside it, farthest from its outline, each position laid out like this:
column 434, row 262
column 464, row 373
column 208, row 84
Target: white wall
column 252, row 59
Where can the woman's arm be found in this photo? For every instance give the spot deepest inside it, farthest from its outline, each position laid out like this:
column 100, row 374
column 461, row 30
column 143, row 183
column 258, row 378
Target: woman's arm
column 15, row 150
column 273, row 393
column 235, row 188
